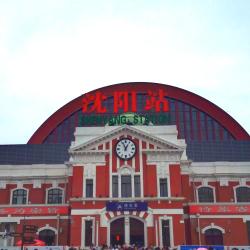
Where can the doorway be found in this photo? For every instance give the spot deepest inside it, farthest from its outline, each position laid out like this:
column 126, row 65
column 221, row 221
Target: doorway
column 136, row 232
column 213, row 236
column 117, row 232
column 48, row 236
column 165, row 229
column 129, row 229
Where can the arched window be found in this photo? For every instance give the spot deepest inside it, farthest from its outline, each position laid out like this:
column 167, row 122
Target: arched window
column 242, row 194
column 19, row 196
column 55, row 196
column 205, row 194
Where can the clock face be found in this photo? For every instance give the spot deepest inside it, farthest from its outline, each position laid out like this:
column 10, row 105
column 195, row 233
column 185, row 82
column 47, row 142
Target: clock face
column 125, row 149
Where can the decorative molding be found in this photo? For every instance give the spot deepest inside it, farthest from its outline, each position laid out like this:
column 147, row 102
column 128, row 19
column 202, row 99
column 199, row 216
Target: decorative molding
column 88, row 157
column 242, row 182
column 204, row 182
column 19, row 185
column 220, row 169
column 135, row 131
column 47, row 227
column 37, row 183
column 154, row 157
column 54, row 184
column 212, row 226
column 2, row 184
column 126, row 170
column 224, row 182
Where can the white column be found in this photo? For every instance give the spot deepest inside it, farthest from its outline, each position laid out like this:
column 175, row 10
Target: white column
column 141, row 167
column 132, row 185
column 110, row 168
column 156, row 233
column 119, row 186
column 127, row 230
column 97, row 233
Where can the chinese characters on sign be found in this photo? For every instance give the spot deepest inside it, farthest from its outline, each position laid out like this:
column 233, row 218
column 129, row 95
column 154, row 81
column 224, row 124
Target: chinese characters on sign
column 219, row 209
column 125, row 101
column 34, row 210
column 126, row 206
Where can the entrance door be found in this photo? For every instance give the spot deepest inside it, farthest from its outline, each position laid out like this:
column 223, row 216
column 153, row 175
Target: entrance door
column 88, row 233
column 132, row 231
column 136, row 232
column 117, row 234
column 165, row 233
column 213, row 236
column 48, row 236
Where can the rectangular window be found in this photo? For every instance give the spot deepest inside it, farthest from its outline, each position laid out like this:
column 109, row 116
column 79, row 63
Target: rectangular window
column 114, row 186
column 163, row 187
column 137, row 184
column 126, row 186
column 89, row 188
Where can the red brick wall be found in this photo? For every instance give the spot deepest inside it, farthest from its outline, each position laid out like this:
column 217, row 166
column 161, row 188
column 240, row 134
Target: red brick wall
column 175, row 180
column 77, row 187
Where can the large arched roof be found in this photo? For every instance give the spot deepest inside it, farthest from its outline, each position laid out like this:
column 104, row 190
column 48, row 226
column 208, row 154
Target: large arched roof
column 141, row 87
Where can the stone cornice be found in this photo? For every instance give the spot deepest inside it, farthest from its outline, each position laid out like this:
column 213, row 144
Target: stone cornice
column 128, row 129
column 163, row 156
column 77, row 199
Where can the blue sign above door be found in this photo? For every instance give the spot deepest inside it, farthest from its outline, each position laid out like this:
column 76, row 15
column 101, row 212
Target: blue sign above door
column 127, row 206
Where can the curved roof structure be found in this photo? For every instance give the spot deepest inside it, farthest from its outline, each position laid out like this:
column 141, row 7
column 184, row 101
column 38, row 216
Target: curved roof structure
column 187, row 108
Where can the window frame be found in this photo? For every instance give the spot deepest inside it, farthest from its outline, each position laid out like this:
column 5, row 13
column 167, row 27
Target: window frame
column 126, row 171
column 115, row 191
column 85, row 188
column 126, row 186
column 12, row 195
column 47, row 195
column 235, row 194
column 163, row 178
column 205, row 186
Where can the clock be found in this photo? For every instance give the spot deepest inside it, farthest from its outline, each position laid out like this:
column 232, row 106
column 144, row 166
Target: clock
column 125, row 149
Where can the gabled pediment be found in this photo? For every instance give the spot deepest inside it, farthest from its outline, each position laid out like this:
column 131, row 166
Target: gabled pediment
column 95, row 143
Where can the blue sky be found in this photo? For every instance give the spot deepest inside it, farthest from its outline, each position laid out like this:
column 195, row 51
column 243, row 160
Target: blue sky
column 53, row 51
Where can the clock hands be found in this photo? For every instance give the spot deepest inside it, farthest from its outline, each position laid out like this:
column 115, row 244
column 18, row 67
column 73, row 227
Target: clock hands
column 125, row 146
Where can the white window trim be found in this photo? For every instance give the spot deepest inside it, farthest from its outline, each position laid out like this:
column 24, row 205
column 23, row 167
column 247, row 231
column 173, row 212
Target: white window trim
column 158, row 186
column 27, row 198
column 47, row 227
column 235, row 196
column 209, row 186
column 88, row 218
column 162, row 170
column 85, row 189
column 63, row 195
column 161, row 218
column 212, row 226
